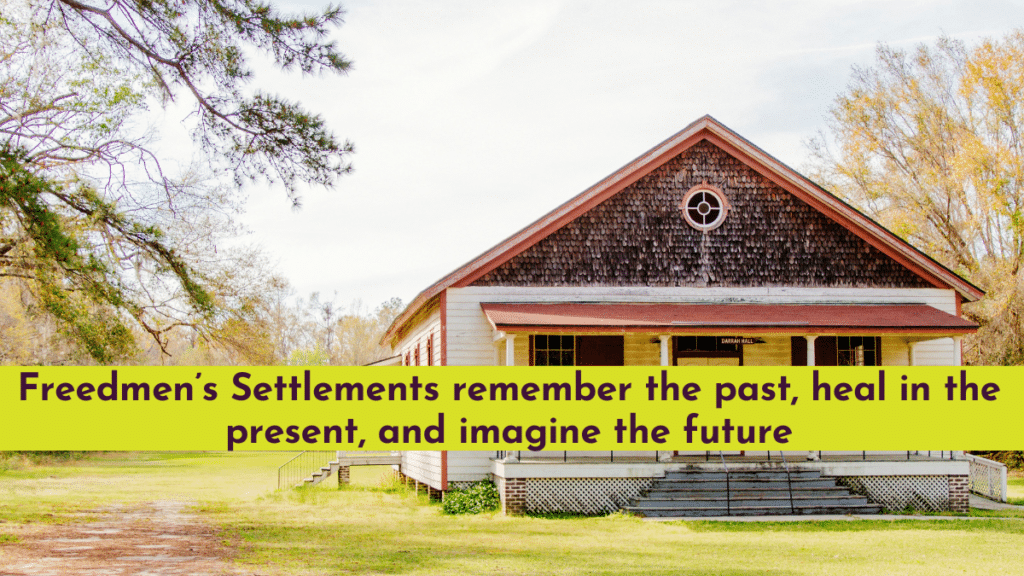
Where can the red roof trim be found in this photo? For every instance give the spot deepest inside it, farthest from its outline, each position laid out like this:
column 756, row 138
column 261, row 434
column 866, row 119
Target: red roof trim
column 577, row 207
column 740, row 330
column 715, row 132
column 688, row 318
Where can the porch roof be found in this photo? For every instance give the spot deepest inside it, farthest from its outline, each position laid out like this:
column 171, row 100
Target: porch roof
column 718, row 318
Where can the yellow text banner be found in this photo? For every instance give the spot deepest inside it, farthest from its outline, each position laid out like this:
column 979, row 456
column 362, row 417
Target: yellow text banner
column 511, row 408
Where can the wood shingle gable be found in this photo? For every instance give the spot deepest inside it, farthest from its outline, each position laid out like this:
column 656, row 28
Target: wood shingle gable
column 709, row 130
column 639, row 237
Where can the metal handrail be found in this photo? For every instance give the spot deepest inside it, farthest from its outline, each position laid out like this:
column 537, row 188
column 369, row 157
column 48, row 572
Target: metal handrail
column 281, row 468
column 728, row 488
column 302, row 466
column 501, row 454
column 789, row 481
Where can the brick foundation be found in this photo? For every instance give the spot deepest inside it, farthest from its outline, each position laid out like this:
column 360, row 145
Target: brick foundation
column 513, row 496
column 344, row 475
column 959, row 494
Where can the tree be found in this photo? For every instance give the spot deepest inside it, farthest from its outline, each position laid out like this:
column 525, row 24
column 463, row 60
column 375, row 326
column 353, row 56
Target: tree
column 91, row 218
column 360, row 332
column 929, row 143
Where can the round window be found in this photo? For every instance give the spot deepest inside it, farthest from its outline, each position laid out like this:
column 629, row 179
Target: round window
column 705, row 207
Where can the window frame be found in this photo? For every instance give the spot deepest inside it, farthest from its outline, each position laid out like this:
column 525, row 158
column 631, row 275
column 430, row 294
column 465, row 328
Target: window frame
column 534, row 349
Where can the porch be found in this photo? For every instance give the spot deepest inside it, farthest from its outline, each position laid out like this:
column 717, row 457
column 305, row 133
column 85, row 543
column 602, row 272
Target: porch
column 601, row 482
column 723, row 458
column 631, row 334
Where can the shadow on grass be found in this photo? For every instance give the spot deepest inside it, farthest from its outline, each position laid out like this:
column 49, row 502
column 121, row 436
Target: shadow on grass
column 993, row 525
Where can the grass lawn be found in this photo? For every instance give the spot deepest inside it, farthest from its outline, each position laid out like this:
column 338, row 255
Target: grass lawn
column 1015, row 487
column 375, row 527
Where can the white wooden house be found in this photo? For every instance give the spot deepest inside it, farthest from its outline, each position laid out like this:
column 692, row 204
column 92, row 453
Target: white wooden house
column 688, row 255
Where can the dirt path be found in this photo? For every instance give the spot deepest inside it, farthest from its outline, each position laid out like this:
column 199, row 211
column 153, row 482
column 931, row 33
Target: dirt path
column 160, row 538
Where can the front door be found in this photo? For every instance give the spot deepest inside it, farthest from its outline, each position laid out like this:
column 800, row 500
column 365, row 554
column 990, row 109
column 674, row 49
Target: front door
column 706, row 351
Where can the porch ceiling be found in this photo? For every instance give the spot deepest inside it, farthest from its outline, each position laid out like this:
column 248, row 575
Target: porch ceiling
column 718, row 318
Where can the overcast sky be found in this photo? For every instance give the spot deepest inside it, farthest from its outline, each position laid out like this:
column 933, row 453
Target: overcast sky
column 472, row 119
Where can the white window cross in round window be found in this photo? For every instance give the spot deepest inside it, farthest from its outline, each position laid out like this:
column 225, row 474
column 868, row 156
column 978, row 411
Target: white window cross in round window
column 705, row 207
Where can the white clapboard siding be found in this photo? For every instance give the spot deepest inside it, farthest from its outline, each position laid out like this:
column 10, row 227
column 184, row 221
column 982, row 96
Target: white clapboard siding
column 463, row 466
column 469, row 466
column 423, row 466
column 936, row 353
column 429, row 327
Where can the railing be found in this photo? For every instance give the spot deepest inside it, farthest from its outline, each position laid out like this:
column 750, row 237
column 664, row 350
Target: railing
column 632, row 456
column 302, row 466
column 892, row 455
column 728, row 488
column 789, row 481
column 987, row 477
column 552, row 456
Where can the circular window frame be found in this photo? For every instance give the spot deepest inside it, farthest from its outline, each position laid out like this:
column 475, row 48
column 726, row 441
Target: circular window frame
column 704, row 189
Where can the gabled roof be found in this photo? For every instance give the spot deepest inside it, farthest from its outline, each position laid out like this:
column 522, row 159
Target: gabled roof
column 706, row 128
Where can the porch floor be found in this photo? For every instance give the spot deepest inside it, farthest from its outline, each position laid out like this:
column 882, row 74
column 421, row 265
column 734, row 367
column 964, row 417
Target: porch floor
column 714, row 458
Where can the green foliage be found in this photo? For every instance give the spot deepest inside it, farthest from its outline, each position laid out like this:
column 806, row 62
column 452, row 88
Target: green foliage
column 73, row 285
column 316, row 356
column 9, row 538
column 478, row 498
column 201, row 47
column 1014, row 459
column 108, row 242
column 929, row 142
column 21, row 460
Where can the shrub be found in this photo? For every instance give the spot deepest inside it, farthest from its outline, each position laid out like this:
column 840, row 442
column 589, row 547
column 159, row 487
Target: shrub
column 480, row 497
column 13, row 461
column 1014, row 459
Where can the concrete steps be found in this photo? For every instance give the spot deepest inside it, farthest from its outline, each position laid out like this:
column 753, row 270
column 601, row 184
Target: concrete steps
column 322, row 474
column 762, row 492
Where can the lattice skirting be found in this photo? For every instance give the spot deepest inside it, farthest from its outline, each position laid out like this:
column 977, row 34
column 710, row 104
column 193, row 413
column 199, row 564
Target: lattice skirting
column 987, row 481
column 460, row 485
column 582, row 495
column 900, row 492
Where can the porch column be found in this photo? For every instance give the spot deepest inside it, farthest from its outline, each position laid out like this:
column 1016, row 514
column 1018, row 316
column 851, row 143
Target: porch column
column 958, row 350
column 510, row 350
column 496, row 340
column 811, row 454
column 665, row 339
column 810, row 349
column 913, row 352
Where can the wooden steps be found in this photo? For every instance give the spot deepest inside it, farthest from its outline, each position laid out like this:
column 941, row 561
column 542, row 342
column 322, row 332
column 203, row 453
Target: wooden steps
column 763, row 492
